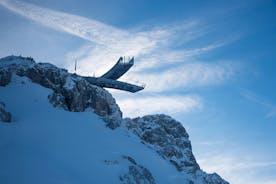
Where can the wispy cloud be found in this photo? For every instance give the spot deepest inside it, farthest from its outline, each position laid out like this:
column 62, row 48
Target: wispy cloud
column 273, row 181
column 237, row 169
column 209, row 143
column 186, row 76
column 164, row 59
column 268, row 106
column 88, row 29
column 134, row 107
column 230, row 164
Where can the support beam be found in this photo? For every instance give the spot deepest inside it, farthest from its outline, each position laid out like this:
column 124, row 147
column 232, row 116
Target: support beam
column 119, row 69
column 110, row 83
column 109, row 79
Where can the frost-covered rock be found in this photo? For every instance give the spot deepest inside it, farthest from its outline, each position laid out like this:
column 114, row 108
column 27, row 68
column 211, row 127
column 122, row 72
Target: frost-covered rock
column 203, row 177
column 171, row 141
column 94, row 148
column 136, row 173
column 4, row 115
column 168, row 137
column 5, row 77
column 70, row 91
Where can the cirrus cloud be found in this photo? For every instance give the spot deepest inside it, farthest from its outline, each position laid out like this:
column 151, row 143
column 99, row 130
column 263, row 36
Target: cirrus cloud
column 164, row 59
column 140, row 106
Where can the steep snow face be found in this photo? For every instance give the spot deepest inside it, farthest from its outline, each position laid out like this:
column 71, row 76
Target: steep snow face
column 44, row 144
column 170, row 140
column 70, row 91
column 168, row 137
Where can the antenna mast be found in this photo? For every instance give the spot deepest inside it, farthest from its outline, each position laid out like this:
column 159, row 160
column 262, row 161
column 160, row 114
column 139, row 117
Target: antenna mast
column 75, row 66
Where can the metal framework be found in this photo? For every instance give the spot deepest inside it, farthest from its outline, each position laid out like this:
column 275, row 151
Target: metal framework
column 109, row 79
column 119, row 69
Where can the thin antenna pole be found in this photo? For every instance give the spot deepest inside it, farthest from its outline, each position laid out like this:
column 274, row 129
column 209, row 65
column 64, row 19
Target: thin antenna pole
column 75, row 66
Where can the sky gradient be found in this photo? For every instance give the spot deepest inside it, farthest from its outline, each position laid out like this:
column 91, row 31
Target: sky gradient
column 210, row 65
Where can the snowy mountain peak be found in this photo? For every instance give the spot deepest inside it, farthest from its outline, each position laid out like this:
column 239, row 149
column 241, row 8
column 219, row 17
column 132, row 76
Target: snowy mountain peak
column 170, row 140
column 70, row 91
column 48, row 142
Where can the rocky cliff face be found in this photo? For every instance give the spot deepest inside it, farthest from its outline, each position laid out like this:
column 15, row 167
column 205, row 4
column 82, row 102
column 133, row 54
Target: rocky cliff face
column 159, row 133
column 167, row 137
column 170, row 140
column 70, row 91
column 4, row 115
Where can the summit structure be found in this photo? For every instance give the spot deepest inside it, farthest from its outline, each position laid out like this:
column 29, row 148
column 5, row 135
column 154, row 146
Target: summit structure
column 109, row 79
column 56, row 127
column 120, row 68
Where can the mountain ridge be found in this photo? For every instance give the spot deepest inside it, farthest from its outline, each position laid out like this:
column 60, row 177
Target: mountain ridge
column 159, row 134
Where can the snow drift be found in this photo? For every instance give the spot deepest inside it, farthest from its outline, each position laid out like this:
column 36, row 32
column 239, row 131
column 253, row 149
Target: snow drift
column 58, row 128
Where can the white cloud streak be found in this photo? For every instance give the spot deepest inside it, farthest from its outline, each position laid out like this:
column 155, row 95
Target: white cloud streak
column 134, row 107
column 209, row 143
column 186, row 76
column 236, row 169
column 270, row 108
column 109, row 42
column 161, row 60
column 88, row 29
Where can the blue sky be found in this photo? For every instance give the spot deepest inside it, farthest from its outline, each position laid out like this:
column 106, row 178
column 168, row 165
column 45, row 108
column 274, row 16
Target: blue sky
column 211, row 65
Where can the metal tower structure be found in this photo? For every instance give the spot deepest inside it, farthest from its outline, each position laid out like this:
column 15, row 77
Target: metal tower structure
column 109, row 79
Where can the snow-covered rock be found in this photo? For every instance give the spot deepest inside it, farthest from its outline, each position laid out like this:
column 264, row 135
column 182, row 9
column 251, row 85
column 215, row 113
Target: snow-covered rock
column 167, row 137
column 136, row 173
column 71, row 144
column 4, row 115
column 70, row 91
column 170, row 140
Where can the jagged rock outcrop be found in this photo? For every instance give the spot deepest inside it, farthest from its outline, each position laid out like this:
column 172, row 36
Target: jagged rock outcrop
column 4, row 115
column 70, row 91
column 168, row 137
column 171, row 141
column 160, row 133
column 136, row 173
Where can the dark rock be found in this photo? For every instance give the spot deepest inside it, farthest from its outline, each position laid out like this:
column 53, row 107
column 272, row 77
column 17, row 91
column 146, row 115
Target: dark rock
column 70, row 91
column 5, row 77
column 161, row 133
column 168, row 137
column 58, row 100
column 137, row 174
column 4, row 115
column 171, row 141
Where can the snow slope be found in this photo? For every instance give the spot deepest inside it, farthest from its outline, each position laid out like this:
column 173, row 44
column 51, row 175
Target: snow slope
column 50, row 145
column 47, row 144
